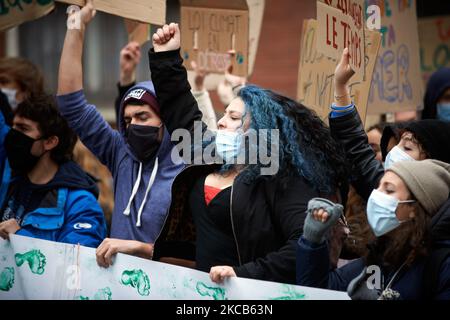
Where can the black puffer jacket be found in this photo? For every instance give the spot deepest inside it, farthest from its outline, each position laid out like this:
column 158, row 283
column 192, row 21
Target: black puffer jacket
column 267, row 215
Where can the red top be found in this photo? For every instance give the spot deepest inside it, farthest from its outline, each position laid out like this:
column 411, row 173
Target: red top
column 210, row 193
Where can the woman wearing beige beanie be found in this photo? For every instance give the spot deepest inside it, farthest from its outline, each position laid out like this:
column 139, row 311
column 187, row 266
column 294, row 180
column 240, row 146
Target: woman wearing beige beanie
column 419, row 140
column 399, row 212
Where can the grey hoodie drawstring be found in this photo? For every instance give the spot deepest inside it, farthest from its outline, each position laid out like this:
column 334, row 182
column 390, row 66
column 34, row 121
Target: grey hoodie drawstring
column 150, row 184
column 135, row 189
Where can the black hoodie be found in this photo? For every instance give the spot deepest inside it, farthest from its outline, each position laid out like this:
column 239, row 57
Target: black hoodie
column 437, row 85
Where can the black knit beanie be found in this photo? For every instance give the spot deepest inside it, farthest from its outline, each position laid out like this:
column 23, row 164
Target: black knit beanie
column 434, row 136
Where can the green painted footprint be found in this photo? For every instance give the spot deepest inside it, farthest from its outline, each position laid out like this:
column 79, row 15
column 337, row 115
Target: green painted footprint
column 7, row 279
column 290, row 294
column 137, row 279
column 103, row 294
column 215, row 292
column 35, row 258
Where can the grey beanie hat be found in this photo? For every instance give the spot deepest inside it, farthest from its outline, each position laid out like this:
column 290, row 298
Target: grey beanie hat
column 428, row 181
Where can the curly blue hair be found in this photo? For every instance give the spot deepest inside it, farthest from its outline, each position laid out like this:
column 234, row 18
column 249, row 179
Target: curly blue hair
column 306, row 147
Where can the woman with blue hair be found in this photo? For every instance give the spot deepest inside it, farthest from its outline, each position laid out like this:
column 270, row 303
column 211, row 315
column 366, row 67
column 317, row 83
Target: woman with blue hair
column 237, row 214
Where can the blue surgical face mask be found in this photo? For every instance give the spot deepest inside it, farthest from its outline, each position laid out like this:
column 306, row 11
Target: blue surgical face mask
column 228, row 144
column 443, row 111
column 11, row 96
column 396, row 155
column 381, row 210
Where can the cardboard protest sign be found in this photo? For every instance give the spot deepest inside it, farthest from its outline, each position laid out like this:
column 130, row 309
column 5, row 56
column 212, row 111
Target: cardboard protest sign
column 342, row 28
column 256, row 14
column 315, row 87
column 211, row 30
column 397, row 83
column 137, row 31
column 38, row 269
column 146, row 11
column 434, row 34
column 14, row 13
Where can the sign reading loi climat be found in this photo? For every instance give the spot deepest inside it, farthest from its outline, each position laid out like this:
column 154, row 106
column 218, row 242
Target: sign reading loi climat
column 211, row 30
column 39, row 269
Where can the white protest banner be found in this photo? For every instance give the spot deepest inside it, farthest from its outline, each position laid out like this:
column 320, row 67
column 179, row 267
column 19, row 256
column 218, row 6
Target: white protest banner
column 39, row 269
column 342, row 28
column 146, row 11
column 434, row 34
column 13, row 13
column 397, row 82
column 315, row 87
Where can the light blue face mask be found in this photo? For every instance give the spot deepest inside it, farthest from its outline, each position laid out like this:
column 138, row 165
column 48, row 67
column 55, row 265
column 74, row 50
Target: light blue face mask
column 443, row 111
column 228, row 144
column 381, row 212
column 396, row 155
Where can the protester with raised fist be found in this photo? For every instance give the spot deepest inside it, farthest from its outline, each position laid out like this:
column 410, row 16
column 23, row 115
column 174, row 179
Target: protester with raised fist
column 399, row 212
column 138, row 155
column 230, row 218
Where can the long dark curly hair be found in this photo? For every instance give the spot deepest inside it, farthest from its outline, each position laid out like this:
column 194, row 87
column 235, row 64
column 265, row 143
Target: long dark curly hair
column 306, row 147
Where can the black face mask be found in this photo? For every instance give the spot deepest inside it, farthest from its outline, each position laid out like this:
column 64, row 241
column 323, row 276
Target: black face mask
column 18, row 149
column 143, row 141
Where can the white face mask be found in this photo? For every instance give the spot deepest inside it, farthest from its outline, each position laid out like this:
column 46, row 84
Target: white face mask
column 396, row 155
column 381, row 210
column 11, row 95
column 228, row 144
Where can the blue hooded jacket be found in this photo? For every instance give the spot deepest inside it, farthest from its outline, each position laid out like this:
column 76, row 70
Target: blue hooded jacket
column 70, row 215
column 148, row 207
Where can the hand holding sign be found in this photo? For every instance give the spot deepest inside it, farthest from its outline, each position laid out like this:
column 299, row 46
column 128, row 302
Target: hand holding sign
column 231, row 78
column 78, row 19
column 167, row 38
column 344, row 71
column 130, row 56
column 342, row 76
column 88, row 12
column 200, row 74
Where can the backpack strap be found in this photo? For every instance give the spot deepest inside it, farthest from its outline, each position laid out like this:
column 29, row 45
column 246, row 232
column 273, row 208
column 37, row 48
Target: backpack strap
column 431, row 272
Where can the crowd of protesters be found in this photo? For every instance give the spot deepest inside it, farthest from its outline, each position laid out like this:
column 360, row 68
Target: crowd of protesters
column 341, row 202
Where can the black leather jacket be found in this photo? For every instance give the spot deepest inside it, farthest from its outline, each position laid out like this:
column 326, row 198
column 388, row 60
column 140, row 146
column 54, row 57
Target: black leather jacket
column 267, row 218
